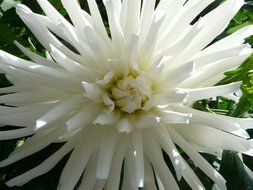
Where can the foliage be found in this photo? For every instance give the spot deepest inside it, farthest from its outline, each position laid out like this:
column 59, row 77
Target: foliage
column 12, row 28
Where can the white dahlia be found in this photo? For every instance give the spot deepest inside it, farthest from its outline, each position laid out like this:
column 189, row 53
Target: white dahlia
column 119, row 101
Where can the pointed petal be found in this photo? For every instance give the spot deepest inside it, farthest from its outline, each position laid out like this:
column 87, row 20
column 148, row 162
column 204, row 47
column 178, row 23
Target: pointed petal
column 83, row 117
column 227, row 11
column 137, row 139
column 147, row 121
column 154, row 154
column 214, row 121
column 115, row 27
column 16, row 133
column 130, row 16
column 43, row 168
column 198, row 159
column 167, row 144
column 105, row 118
column 209, row 92
column 35, row 147
column 113, row 181
column 233, row 40
column 78, row 160
column 108, row 140
column 61, row 109
column 89, row 178
column 97, row 19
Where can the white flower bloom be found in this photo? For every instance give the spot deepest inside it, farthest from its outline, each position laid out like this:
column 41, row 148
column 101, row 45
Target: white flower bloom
column 8, row 4
column 120, row 100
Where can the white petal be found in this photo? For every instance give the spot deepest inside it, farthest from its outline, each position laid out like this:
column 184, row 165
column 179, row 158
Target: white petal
column 35, row 57
column 108, row 140
column 108, row 102
column 172, row 117
column 171, row 8
column 142, row 83
column 50, row 11
column 97, row 44
column 100, row 184
column 83, row 117
column 147, row 13
column 182, row 43
column 41, row 32
column 183, row 18
column 107, row 78
column 10, row 89
column 165, row 98
column 213, row 138
column 205, row 73
column 97, row 19
column 154, row 154
column 115, row 27
column 105, row 118
column 89, row 178
column 214, row 121
column 22, row 116
column 129, row 181
column 28, row 80
column 209, row 92
column 198, row 159
column 192, row 179
column 42, row 168
column 35, row 147
column 233, row 40
column 124, row 125
column 157, row 67
column 179, row 74
column 244, row 123
column 78, row 160
column 82, row 72
column 61, row 28
column 164, row 139
column 16, row 133
column 75, row 13
column 61, row 109
column 137, row 139
column 130, row 16
column 118, row 158
column 30, row 97
column 203, row 58
column 92, row 91
column 149, row 176
column 131, row 49
column 147, row 121
column 31, row 67
column 226, row 12
column 159, row 182
column 146, row 51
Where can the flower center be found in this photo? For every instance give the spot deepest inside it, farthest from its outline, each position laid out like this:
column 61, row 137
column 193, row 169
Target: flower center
column 130, row 93
column 125, row 92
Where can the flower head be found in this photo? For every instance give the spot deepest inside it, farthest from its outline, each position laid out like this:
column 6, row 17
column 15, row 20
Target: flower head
column 120, row 100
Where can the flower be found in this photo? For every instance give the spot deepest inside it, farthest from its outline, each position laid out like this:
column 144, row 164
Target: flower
column 119, row 101
column 8, row 4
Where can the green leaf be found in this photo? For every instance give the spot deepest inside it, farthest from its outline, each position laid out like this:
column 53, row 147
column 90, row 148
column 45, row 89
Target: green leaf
column 243, row 73
column 233, row 171
column 245, row 104
column 235, row 28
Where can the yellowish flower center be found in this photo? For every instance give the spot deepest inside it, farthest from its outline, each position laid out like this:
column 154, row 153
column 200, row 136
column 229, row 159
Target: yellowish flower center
column 129, row 94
